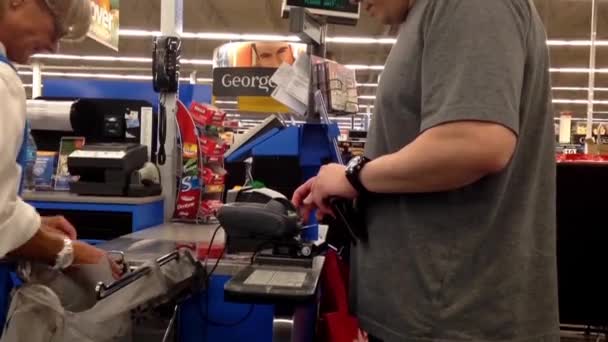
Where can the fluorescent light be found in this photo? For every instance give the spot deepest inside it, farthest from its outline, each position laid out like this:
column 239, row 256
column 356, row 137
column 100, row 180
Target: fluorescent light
column 229, row 36
column 577, row 89
column 209, row 62
column 118, row 59
column 90, row 75
column 553, row 42
column 138, row 33
column 269, row 37
column 196, row 61
column 577, row 101
column 95, row 58
column 553, row 70
column 367, row 97
column 107, row 76
column 375, row 85
column 361, row 40
column 364, row 67
column 578, row 70
column 236, row 36
column 226, row 102
column 103, row 76
column 212, row 35
column 570, row 89
column 367, row 85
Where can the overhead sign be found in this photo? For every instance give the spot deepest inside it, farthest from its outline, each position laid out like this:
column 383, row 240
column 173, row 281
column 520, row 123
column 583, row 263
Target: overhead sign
column 243, row 72
column 106, row 22
column 243, row 81
column 336, row 11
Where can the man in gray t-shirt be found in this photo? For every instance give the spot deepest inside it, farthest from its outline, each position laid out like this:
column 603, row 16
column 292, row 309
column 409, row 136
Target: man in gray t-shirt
column 459, row 194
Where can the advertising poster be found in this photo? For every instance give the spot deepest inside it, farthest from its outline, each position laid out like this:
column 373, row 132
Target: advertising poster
column 106, row 22
column 244, row 71
column 190, row 185
column 62, row 176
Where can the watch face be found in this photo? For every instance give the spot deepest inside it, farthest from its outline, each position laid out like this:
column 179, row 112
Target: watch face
column 353, row 163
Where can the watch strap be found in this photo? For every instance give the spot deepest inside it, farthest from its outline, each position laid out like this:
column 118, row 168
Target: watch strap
column 65, row 257
column 353, row 175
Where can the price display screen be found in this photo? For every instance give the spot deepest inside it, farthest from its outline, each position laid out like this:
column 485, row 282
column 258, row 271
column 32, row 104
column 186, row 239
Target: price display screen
column 329, row 5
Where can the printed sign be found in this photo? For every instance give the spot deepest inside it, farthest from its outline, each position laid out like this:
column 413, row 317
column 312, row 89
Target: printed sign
column 244, row 71
column 243, row 81
column 106, row 22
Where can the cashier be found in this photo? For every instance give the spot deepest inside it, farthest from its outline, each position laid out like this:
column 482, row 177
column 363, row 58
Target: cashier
column 28, row 27
column 458, row 182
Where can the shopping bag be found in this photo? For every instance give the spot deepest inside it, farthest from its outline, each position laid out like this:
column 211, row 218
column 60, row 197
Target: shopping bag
column 54, row 306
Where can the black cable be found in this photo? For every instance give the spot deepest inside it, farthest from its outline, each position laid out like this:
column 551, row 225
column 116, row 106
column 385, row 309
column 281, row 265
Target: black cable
column 259, row 249
column 217, row 229
column 205, row 315
column 162, row 134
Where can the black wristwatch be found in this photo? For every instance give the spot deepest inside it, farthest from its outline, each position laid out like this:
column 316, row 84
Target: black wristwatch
column 353, row 173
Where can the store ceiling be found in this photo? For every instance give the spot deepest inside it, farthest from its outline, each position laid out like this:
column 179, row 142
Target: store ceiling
column 564, row 19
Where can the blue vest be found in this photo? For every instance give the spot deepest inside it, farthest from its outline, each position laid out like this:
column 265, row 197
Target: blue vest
column 6, row 281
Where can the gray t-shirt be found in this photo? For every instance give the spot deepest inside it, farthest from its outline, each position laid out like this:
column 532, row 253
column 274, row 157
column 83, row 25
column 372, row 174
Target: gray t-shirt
column 478, row 263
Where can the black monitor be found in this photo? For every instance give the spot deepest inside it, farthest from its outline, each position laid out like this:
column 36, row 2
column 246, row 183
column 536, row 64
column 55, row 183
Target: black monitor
column 582, row 243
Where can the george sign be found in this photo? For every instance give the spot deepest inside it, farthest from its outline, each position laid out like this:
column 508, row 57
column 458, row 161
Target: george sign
column 106, row 22
column 243, row 82
column 336, row 11
column 243, row 72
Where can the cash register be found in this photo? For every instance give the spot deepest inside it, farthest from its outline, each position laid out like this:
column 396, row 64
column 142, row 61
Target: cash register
column 114, row 169
column 119, row 143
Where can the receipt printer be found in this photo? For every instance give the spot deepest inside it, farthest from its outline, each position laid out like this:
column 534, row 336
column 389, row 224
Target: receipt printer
column 113, row 169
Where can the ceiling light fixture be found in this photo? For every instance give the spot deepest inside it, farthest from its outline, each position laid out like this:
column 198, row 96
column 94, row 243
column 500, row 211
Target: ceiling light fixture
column 364, row 67
column 106, row 76
column 118, row 59
column 554, row 42
column 553, row 70
column 361, row 40
column 577, row 89
column 576, row 101
column 228, row 36
column 367, row 85
column 209, row 62
column 95, row 58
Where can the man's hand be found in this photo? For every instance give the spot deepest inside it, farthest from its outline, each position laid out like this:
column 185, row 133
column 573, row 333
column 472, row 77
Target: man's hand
column 314, row 194
column 85, row 254
column 362, row 337
column 300, row 195
column 60, row 225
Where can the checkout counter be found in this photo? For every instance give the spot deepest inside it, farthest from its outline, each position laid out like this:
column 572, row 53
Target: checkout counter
column 208, row 316
column 237, row 302
column 119, row 140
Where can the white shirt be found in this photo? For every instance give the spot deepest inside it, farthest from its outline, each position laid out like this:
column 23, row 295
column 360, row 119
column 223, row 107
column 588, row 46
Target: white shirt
column 19, row 221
